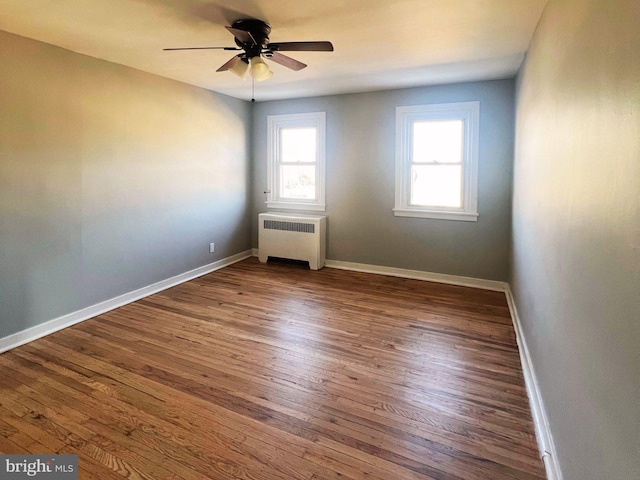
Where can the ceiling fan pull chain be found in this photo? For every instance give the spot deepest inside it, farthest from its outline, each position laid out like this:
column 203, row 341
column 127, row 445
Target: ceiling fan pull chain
column 253, row 90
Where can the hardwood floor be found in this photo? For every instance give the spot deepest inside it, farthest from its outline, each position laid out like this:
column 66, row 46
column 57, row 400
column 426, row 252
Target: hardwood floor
column 277, row 372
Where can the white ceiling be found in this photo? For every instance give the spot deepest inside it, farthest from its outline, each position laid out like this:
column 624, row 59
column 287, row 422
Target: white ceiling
column 379, row 44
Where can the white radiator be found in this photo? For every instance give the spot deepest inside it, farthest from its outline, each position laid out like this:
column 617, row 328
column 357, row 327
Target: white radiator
column 296, row 237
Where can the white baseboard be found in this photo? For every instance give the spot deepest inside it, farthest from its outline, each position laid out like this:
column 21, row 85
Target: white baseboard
column 543, row 432
column 38, row 331
column 413, row 274
column 419, row 275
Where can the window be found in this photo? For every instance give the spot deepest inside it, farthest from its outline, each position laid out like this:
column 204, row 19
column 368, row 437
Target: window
column 296, row 158
column 437, row 161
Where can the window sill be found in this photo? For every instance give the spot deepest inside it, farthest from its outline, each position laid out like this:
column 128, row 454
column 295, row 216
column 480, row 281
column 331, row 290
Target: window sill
column 460, row 216
column 315, row 207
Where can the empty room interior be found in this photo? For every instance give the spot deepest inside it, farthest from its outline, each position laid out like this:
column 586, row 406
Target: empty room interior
column 267, row 239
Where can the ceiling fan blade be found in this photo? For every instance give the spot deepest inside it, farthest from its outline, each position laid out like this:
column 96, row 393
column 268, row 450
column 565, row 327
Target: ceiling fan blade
column 242, row 35
column 230, row 64
column 301, row 47
column 288, row 62
column 203, row 48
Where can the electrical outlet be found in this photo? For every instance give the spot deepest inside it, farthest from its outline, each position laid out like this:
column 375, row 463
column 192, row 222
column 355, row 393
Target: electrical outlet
column 212, row 247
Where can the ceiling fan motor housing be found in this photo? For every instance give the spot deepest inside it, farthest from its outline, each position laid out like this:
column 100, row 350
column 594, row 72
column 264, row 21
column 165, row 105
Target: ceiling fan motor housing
column 259, row 30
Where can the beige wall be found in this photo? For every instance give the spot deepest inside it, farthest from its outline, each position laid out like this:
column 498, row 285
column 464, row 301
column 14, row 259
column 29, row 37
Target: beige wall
column 576, row 230
column 110, row 180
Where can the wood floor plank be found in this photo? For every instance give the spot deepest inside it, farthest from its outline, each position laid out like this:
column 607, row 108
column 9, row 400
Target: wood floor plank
column 271, row 372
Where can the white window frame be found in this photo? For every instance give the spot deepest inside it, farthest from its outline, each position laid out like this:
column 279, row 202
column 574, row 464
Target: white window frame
column 406, row 116
column 275, row 123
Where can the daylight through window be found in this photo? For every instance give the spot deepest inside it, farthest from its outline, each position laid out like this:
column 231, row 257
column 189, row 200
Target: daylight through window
column 436, row 161
column 296, row 161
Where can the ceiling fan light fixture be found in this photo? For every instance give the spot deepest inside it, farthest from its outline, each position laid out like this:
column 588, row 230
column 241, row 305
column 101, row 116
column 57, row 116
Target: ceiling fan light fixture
column 260, row 71
column 240, row 69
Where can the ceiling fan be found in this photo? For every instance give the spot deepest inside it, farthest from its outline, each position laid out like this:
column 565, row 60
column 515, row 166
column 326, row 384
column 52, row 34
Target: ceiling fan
column 252, row 37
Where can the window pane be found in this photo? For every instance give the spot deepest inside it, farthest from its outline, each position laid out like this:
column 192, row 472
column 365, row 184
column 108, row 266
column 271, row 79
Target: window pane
column 438, row 141
column 436, row 185
column 298, row 145
column 298, row 182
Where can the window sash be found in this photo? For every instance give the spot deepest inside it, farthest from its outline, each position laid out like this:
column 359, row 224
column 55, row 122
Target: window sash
column 282, row 187
column 406, row 117
column 280, row 165
column 276, row 191
column 442, row 205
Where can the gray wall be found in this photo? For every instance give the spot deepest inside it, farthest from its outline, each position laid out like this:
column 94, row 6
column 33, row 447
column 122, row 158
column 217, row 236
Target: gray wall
column 360, row 181
column 110, row 180
column 576, row 231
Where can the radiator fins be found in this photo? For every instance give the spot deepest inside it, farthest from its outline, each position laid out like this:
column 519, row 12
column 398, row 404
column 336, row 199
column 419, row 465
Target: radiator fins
column 290, row 226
